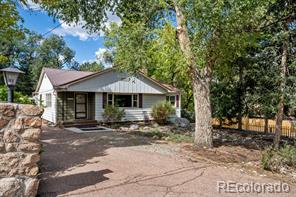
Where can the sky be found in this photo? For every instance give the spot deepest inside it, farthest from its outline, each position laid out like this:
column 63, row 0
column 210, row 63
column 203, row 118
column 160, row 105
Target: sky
column 87, row 47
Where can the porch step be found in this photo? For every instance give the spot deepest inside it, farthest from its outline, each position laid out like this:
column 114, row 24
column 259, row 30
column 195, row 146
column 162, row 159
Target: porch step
column 80, row 123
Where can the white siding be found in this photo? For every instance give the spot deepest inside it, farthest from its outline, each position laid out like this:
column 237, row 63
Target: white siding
column 47, row 88
column 132, row 114
column 117, row 82
column 45, row 85
column 99, row 106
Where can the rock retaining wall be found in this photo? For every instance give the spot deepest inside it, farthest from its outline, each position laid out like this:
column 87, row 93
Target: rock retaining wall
column 20, row 129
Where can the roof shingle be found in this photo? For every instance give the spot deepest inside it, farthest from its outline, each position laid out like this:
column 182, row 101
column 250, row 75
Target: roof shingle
column 59, row 77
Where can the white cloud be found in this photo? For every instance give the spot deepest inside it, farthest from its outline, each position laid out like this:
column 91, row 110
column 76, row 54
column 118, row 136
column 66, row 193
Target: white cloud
column 99, row 58
column 99, row 54
column 31, row 5
column 77, row 30
column 113, row 18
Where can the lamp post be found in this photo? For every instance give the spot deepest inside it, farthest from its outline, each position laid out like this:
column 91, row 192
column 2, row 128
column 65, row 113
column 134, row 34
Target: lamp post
column 10, row 77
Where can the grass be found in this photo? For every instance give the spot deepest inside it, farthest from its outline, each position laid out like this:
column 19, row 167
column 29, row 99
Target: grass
column 168, row 136
column 180, row 138
column 275, row 159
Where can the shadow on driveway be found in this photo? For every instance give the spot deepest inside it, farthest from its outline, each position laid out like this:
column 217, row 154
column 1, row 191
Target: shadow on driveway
column 64, row 150
column 71, row 182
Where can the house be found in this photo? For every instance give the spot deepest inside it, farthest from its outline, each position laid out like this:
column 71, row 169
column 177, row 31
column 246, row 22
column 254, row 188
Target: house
column 69, row 95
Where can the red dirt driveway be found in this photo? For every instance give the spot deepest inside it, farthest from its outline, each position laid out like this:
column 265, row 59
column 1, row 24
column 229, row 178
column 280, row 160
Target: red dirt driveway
column 121, row 165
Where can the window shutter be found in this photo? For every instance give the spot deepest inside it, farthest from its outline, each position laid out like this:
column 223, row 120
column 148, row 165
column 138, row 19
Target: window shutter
column 177, row 100
column 104, row 99
column 140, row 100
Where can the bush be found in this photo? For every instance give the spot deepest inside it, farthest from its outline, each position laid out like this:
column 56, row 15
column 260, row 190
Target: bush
column 275, row 159
column 18, row 97
column 188, row 115
column 113, row 113
column 161, row 111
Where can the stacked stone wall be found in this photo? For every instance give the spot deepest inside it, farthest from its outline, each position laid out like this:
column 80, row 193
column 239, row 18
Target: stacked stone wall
column 20, row 129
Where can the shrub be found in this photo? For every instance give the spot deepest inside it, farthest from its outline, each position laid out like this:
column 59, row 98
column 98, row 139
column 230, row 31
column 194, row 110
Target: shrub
column 113, row 113
column 161, row 111
column 275, row 159
column 18, row 97
column 188, row 115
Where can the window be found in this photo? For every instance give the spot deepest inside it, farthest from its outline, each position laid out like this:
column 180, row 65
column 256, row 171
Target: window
column 135, row 100
column 48, row 100
column 171, row 99
column 110, row 99
column 123, row 100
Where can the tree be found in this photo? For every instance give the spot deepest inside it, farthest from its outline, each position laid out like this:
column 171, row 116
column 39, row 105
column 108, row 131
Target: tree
column 207, row 33
column 10, row 31
column 91, row 66
column 281, row 30
column 54, row 53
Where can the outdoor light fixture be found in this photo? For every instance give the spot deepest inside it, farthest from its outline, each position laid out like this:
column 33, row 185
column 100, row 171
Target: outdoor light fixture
column 10, row 77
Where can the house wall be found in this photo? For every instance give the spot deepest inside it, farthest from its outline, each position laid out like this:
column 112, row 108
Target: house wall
column 132, row 114
column 47, row 88
column 65, row 106
column 114, row 81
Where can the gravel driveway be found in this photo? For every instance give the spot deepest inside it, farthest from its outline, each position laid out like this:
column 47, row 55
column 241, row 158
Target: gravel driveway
column 121, row 165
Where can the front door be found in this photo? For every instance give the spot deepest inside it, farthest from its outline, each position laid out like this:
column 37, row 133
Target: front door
column 80, row 106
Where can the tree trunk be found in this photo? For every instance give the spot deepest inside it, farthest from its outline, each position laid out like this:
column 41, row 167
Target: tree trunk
column 220, row 123
column 203, row 114
column 201, row 86
column 280, row 108
column 265, row 124
column 240, row 121
column 239, row 98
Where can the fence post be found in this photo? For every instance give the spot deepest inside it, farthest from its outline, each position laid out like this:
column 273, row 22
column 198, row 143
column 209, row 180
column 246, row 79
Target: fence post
column 247, row 123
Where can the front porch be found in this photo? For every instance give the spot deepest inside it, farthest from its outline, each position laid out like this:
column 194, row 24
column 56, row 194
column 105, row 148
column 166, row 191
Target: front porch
column 76, row 107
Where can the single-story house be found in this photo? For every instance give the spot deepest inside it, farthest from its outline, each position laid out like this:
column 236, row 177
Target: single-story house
column 69, row 95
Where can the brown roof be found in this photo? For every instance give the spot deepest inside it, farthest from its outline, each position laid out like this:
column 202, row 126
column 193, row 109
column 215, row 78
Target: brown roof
column 59, row 77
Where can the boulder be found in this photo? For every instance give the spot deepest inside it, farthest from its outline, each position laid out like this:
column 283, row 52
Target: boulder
column 180, row 122
column 134, row 127
column 10, row 187
column 3, row 122
column 18, row 186
column 7, row 110
column 31, row 134
column 31, row 110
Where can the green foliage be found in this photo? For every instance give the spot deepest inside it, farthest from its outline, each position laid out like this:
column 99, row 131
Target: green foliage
column 113, row 113
column 52, row 52
column 189, row 115
column 161, row 111
column 175, row 137
column 275, row 159
column 169, row 136
column 91, row 66
column 245, row 52
column 18, row 97
column 20, row 46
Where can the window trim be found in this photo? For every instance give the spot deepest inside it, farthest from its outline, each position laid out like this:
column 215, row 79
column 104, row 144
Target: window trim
column 168, row 99
column 132, row 101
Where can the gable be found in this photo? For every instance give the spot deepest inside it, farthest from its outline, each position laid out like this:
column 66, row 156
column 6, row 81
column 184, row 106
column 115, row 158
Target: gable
column 118, row 82
column 45, row 84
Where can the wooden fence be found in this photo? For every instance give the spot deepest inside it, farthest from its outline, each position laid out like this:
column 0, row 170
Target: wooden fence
column 258, row 124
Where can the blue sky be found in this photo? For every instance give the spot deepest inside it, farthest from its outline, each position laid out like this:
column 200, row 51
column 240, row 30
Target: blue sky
column 87, row 47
